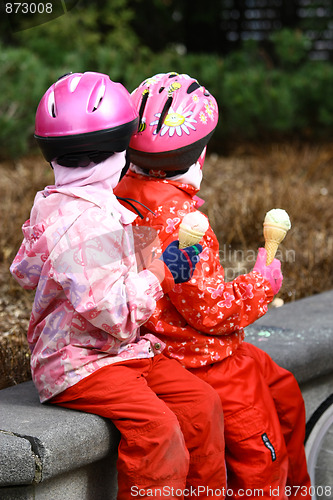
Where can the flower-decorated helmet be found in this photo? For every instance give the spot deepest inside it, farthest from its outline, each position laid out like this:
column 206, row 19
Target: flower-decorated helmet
column 84, row 118
column 177, row 118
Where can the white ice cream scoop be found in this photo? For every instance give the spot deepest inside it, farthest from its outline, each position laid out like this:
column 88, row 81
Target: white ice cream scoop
column 276, row 225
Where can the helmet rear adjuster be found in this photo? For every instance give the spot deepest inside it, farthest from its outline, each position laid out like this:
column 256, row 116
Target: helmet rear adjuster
column 81, row 146
column 175, row 160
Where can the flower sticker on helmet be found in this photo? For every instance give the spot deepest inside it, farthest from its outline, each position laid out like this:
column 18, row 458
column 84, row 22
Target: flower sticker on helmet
column 152, row 79
column 175, row 121
column 202, row 117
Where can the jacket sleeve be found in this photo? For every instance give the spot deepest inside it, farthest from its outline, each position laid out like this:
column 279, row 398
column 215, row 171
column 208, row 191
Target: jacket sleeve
column 216, row 307
column 95, row 266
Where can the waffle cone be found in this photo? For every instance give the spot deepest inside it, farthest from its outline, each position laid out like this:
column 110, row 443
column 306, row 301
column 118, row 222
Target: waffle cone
column 273, row 234
column 188, row 237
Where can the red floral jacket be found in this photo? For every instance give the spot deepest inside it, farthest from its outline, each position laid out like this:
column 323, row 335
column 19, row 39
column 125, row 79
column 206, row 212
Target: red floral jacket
column 200, row 321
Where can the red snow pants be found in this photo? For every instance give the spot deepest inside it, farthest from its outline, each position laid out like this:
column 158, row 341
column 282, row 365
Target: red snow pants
column 264, row 420
column 171, row 426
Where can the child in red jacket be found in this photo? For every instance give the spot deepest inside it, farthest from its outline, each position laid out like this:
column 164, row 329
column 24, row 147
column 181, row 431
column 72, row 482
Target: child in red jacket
column 202, row 321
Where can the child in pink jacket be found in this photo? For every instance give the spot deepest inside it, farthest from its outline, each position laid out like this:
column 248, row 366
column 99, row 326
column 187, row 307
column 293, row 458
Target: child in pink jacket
column 86, row 349
column 202, row 321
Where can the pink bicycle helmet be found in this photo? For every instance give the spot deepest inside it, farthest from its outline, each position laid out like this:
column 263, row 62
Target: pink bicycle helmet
column 84, row 118
column 177, row 118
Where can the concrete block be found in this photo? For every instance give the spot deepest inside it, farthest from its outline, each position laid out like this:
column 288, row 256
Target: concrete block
column 95, row 481
column 298, row 336
column 50, row 439
column 14, row 450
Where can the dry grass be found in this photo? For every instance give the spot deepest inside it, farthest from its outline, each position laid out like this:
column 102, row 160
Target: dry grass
column 239, row 189
column 19, row 183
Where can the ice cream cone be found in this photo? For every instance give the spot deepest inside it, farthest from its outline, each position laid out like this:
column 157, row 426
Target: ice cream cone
column 273, row 234
column 276, row 225
column 192, row 229
column 188, row 237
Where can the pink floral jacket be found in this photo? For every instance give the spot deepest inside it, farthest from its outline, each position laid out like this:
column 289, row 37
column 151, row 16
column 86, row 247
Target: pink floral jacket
column 90, row 300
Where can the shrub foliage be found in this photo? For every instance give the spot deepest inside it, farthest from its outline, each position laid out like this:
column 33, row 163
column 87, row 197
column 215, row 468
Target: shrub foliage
column 262, row 94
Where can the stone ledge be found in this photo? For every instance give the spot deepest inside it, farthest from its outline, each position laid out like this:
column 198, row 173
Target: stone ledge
column 16, row 459
column 52, row 452
column 298, row 336
column 38, row 442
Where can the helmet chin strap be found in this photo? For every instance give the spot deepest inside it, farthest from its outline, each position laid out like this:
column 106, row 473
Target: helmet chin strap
column 131, row 202
column 83, row 159
column 164, row 174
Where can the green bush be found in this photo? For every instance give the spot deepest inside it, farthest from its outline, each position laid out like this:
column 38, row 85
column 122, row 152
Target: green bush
column 291, row 47
column 312, row 85
column 259, row 96
column 256, row 102
column 22, row 82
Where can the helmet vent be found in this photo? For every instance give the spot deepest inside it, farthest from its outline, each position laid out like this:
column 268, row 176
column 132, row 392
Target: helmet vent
column 97, row 104
column 164, row 112
column 96, row 97
column 145, row 96
column 74, row 82
column 51, row 105
column 161, row 89
column 194, row 86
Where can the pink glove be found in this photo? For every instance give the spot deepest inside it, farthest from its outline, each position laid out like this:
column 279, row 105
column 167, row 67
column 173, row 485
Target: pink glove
column 272, row 272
